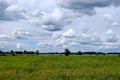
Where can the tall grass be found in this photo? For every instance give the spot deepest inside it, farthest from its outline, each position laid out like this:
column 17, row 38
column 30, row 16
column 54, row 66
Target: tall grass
column 59, row 68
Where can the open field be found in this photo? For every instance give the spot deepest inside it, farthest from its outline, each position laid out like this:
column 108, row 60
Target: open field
column 55, row 67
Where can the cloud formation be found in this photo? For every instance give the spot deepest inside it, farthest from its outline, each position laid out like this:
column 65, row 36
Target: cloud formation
column 15, row 12
column 55, row 21
column 70, row 33
column 3, row 5
column 111, row 36
column 51, row 25
column 86, row 7
column 10, row 11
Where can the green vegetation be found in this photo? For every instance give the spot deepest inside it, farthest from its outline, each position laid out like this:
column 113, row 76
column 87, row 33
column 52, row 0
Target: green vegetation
column 67, row 52
column 59, row 67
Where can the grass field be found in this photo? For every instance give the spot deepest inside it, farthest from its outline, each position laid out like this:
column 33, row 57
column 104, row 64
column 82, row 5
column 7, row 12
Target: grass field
column 55, row 67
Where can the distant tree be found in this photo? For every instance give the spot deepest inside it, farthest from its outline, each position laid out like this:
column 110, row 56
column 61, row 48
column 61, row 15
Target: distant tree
column 79, row 53
column 104, row 54
column 19, row 52
column 13, row 53
column 101, row 53
column 1, row 53
column 25, row 52
column 119, row 54
column 37, row 52
column 67, row 52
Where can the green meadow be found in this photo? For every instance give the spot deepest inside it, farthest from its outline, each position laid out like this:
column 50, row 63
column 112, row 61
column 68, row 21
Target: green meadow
column 59, row 67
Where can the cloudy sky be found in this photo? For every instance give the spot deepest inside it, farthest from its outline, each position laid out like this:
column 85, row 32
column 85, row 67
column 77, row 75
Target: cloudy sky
column 52, row 25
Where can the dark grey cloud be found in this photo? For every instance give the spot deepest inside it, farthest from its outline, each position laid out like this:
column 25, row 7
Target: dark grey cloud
column 52, row 27
column 69, row 9
column 55, row 21
column 86, row 6
column 3, row 5
column 11, row 11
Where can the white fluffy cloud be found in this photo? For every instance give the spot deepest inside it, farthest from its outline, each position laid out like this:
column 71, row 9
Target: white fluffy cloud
column 15, row 12
column 70, row 33
column 108, row 17
column 50, row 21
column 57, row 35
column 19, row 46
column 111, row 36
column 20, row 34
column 115, row 24
column 4, row 38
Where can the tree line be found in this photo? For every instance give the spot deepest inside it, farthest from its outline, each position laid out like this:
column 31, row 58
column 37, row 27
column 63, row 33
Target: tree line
column 66, row 52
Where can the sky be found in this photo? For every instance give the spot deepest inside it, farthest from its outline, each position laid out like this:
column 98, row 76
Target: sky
column 53, row 25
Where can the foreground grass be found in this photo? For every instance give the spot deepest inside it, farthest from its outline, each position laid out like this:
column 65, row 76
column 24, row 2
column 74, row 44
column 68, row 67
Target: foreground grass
column 59, row 68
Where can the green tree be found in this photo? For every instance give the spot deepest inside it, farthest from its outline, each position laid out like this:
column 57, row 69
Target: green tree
column 1, row 53
column 67, row 52
column 13, row 53
column 37, row 52
column 79, row 53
